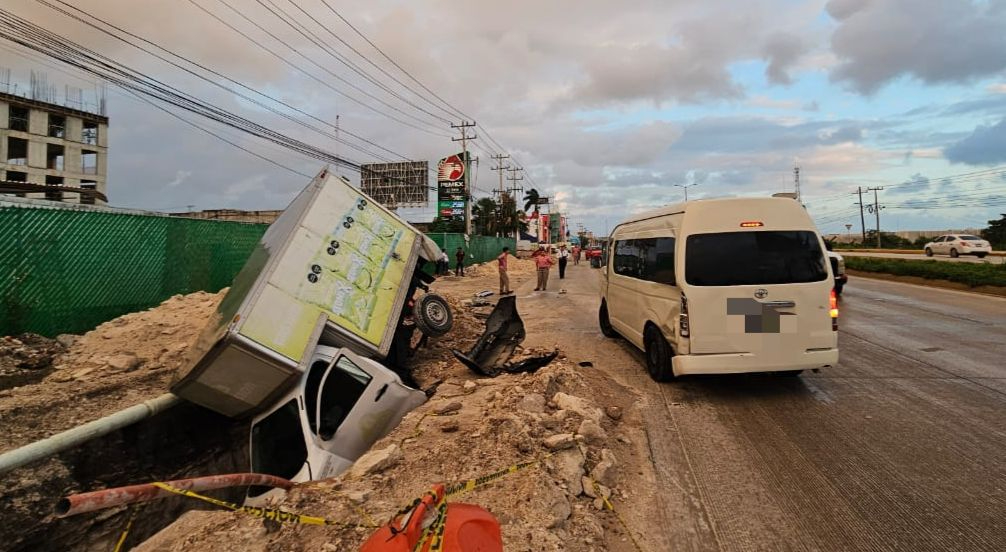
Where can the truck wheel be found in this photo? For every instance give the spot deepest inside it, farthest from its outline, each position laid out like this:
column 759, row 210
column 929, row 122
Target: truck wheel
column 658, row 355
column 433, row 315
column 602, row 318
column 929, row 252
column 954, row 253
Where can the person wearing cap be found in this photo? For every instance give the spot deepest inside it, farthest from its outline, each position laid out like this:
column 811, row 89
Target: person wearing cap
column 543, row 262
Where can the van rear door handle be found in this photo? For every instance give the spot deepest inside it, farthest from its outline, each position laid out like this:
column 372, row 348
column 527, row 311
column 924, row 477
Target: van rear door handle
column 780, row 304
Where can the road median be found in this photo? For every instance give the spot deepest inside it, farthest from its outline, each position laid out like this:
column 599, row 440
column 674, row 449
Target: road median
column 981, row 278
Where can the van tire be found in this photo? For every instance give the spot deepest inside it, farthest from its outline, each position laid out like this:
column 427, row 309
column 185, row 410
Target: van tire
column 658, row 355
column 954, row 253
column 607, row 330
column 432, row 315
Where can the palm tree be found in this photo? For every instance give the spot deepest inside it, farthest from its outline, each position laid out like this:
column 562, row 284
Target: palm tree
column 484, row 215
column 531, row 200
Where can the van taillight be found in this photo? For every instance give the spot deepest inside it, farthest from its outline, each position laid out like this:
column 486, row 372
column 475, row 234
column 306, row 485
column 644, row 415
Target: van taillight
column 833, row 310
column 683, row 318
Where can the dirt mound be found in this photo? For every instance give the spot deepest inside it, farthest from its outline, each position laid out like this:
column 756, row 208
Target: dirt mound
column 471, row 428
column 120, row 363
column 26, row 359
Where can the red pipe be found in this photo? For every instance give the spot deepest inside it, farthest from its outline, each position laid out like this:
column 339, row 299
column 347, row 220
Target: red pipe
column 120, row 496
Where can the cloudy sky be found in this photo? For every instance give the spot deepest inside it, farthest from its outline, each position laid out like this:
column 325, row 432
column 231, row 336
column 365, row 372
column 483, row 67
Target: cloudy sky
column 607, row 105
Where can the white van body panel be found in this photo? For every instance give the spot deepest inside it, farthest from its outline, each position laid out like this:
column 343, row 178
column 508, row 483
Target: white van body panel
column 381, row 405
column 733, row 328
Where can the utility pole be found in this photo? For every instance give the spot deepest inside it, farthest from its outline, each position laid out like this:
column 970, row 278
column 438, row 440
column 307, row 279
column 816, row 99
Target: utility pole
column 876, row 210
column 500, row 167
column 796, row 183
column 513, row 189
column 463, row 128
column 862, row 220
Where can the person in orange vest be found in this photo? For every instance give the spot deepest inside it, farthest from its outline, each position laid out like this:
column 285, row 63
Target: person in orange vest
column 543, row 261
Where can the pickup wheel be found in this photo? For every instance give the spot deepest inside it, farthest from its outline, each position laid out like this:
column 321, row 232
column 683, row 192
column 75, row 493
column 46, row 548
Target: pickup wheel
column 658, row 355
column 954, row 253
column 602, row 319
column 929, row 252
column 433, row 315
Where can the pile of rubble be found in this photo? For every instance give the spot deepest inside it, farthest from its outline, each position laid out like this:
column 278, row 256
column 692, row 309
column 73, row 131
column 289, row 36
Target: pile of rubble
column 470, row 428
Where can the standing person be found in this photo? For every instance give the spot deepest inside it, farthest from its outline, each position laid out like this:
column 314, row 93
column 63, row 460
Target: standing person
column 563, row 259
column 576, row 254
column 543, row 261
column 459, row 269
column 504, row 278
column 443, row 264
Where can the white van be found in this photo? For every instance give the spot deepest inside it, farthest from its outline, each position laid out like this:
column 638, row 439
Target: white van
column 722, row 286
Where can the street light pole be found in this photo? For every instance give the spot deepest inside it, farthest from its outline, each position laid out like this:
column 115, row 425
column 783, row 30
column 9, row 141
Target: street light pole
column 685, row 187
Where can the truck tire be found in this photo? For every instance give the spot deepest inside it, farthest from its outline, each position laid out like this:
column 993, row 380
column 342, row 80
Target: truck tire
column 433, row 315
column 604, row 322
column 658, row 355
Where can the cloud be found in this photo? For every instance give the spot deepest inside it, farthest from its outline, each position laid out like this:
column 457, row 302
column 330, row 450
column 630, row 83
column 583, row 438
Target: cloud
column 985, row 146
column 782, row 50
column 180, row 176
column 997, row 88
column 934, row 41
column 771, row 103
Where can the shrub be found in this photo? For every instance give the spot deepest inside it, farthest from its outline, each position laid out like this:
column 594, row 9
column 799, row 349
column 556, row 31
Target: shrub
column 971, row 274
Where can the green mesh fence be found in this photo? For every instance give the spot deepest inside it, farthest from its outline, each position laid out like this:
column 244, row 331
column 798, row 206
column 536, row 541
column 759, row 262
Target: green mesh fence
column 479, row 248
column 68, row 270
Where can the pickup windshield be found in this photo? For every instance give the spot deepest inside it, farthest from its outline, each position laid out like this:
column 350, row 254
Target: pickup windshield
column 754, row 258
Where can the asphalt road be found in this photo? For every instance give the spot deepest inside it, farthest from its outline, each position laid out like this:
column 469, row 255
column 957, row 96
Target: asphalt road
column 994, row 259
column 902, row 446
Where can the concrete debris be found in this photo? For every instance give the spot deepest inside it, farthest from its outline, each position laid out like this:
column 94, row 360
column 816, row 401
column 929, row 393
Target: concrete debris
column 532, row 402
column 580, row 406
column 470, row 386
column 592, row 431
column 569, row 469
column 67, row 340
column 604, row 471
column 376, row 461
column 448, row 408
column 125, row 362
column 613, row 412
column 559, row 441
column 449, row 427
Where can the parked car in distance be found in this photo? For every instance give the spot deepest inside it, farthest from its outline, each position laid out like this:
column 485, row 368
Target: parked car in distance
column 956, row 245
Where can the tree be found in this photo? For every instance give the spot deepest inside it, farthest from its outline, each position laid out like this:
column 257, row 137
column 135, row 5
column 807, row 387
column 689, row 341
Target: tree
column 447, row 226
column 887, row 240
column 531, row 200
column 996, row 233
column 485, row 217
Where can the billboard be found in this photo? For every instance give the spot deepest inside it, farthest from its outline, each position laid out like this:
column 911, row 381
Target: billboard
column 404, row 184
column 452, row 189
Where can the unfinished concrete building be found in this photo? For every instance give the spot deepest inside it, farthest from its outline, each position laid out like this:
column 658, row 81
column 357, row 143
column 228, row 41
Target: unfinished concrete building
column 49, row 151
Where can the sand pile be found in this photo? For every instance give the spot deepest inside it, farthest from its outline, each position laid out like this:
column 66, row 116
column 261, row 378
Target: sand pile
column 120, row 363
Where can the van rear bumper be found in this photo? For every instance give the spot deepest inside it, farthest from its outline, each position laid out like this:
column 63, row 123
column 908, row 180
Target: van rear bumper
column 739, row 363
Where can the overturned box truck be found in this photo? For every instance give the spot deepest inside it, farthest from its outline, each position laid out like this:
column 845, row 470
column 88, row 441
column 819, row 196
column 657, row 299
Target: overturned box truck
column 312, row 338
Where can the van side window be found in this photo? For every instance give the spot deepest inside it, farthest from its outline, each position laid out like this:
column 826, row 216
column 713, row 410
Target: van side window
column 659, row 264
column 628, row 261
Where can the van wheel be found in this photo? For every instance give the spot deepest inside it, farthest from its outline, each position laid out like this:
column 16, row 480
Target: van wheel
column 954, row 253
column 602, row 319
column 929, row 252
column 658, row 355
column 433, row 315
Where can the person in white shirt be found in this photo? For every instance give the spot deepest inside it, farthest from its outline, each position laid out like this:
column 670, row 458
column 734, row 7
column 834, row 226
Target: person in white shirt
column 563, row 259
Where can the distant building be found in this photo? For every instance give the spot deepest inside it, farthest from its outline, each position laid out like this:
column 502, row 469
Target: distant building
column 49, row 151
column 267, row 217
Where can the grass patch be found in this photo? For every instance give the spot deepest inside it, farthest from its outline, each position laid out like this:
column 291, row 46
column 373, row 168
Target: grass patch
column 971, row 274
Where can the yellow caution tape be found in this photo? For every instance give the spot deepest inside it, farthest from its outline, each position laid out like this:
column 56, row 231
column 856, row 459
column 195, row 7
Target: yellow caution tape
column 125, row 533
column 472, row 484
column 281, row 516
column 611, row 508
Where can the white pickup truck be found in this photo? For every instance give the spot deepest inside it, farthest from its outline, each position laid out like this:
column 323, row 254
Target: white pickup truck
column 313, row 337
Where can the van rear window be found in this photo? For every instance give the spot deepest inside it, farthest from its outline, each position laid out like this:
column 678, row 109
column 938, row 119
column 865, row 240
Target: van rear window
column 754, row 258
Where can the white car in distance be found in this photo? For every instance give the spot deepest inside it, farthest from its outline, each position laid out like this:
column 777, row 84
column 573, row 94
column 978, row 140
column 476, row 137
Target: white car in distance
column 956, row 245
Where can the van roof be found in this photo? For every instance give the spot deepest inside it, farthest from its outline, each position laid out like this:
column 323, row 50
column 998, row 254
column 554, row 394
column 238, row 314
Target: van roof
column 682, row 207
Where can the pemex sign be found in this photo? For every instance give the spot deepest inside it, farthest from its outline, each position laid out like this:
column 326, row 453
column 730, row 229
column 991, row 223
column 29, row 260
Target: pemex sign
column 452, row 189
